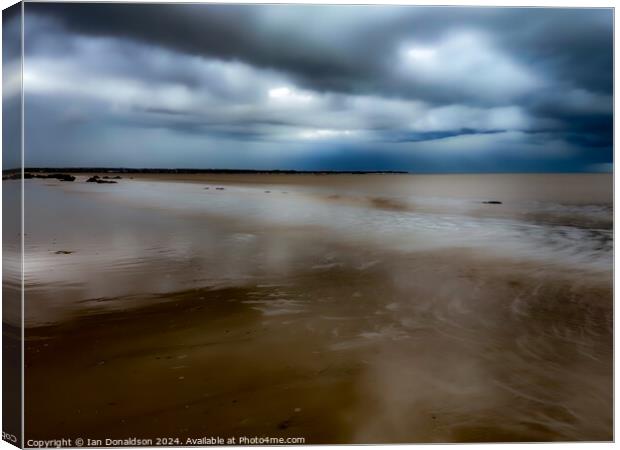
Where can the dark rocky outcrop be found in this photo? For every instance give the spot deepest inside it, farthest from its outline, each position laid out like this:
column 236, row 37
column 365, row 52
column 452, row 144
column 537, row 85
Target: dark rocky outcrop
column 58, row 176
column 29, row 176
column 96, row 179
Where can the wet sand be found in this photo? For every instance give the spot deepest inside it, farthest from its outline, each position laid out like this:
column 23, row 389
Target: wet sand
column 331, row 319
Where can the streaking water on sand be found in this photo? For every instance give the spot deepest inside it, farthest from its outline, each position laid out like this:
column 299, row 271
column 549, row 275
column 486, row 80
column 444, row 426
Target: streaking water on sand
column 578, row 236
column 411, row 317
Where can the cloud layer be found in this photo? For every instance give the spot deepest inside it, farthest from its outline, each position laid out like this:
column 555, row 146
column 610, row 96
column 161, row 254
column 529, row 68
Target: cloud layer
column 318, row 87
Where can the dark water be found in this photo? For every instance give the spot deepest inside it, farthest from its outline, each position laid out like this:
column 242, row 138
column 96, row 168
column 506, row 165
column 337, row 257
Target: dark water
column 341, row 309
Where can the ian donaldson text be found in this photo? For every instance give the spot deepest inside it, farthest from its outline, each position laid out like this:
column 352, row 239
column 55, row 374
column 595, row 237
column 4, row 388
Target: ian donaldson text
column 167, row 441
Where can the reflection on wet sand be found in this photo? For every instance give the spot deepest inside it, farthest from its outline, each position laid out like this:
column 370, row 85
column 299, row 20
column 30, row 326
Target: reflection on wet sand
column 194, row 322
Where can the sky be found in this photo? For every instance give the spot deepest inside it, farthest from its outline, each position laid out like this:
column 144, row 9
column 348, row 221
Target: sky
column 314, row 87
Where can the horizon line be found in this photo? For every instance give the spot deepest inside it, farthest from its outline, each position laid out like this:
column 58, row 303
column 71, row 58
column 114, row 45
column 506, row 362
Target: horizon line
column 182, row 170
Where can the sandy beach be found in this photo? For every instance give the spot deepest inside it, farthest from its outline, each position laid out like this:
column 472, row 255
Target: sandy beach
column 336, row 308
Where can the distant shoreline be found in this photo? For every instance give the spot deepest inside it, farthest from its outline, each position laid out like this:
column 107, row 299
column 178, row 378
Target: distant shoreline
column 265, row 171
column 197, row 171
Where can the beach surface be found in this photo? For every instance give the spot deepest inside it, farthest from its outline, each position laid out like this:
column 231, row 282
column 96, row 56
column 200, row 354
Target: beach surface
column 375, row 308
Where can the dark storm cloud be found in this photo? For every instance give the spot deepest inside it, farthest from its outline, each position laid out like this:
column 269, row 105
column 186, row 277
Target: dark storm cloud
column 227, row 32
column 350, row 48
column 323, row 77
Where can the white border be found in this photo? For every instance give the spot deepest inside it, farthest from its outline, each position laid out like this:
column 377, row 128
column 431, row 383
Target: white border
column 540, row 3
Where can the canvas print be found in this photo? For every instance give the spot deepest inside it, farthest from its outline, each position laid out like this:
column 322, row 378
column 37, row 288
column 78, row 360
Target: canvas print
column 306, row 224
